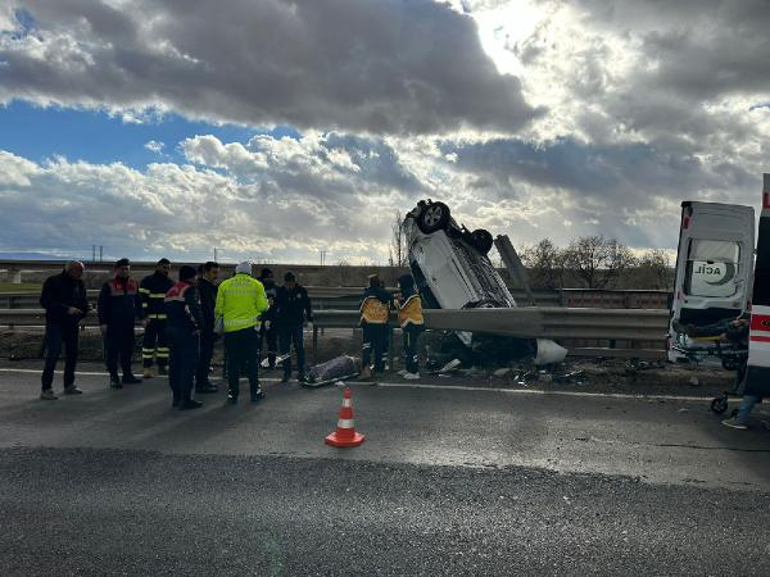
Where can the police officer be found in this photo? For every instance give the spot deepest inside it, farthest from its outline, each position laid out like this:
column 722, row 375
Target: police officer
column 208, row 274
column 119, row 306
column 292, row 310
column 412, row 323
column 269, row 333
column 241, row 301
column 375, row 312
column 184, row 329
column 153, row 289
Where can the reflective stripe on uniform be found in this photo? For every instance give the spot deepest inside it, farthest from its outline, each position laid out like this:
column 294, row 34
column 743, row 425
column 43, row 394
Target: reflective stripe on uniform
column 157, row 295
column 159, row 316
column 144, row 290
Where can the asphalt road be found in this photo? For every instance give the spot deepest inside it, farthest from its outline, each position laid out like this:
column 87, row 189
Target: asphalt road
column 449, row 482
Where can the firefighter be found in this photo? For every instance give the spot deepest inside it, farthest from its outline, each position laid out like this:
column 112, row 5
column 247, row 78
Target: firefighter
column 185, row 321
column 120, row 305
column 411, row 321
column 153, row 289
column 375, row 312
column 269, row 333
column 208, row 274
column 292, row 311
column 241, row 301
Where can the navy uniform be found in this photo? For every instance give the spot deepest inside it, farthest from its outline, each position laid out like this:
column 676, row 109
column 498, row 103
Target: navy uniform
column 412, row 323
column 185, row 321
column 153, row 289
column 120, row 305
column 375, row 313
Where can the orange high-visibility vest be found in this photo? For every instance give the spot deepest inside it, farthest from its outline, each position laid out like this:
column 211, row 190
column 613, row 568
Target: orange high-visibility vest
column 374, row 311
column 410, row 312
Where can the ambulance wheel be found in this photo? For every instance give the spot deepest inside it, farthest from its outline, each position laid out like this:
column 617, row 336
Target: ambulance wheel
column 482, row 240
column 434, row 216
column 719, row 405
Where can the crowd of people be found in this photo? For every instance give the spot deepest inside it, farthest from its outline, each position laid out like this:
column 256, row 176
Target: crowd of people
column 183, row 320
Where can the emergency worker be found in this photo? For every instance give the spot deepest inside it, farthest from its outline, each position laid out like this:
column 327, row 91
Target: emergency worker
column 412, row 323
column 153, row 289
column 375, row 312
column 119, row 306
column 185, row 320
column 241, row 301
column 208, row 274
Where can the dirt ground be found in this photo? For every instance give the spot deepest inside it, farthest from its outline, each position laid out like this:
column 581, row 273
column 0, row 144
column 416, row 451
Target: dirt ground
column 22, row 350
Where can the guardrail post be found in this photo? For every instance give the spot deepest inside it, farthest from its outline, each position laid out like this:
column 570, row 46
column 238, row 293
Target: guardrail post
column 15, row 275
column 315, row 344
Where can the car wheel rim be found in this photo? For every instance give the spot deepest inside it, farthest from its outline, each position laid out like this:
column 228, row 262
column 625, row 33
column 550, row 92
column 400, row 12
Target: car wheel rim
column 433, row 215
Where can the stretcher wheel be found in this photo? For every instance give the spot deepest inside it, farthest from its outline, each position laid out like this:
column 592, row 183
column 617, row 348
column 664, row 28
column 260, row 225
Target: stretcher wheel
column 719, row 405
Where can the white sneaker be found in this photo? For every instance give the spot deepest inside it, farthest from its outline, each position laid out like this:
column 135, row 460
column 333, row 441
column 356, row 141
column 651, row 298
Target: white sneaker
column 411, row 376
column 402, row 372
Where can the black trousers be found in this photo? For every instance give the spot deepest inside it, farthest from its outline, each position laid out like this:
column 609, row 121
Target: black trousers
column 65, row 335
column 271, row 338
column 120, row 345
column 208, row 338
column 374, row 345
column 184, row 362
column 287, row 336
column 411, row 333
column 155, row 344
column 242, row 349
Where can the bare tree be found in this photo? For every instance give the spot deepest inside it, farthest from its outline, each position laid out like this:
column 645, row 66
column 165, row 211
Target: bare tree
column 654, row 270
column 398, row 251
column 545, row 262
column 596, row 260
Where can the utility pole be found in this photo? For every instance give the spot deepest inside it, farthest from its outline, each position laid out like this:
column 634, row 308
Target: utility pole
column 93, row 253
column 101, row 253
column 323, row 256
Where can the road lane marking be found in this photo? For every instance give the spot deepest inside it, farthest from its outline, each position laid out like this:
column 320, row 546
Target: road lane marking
column 386, row 385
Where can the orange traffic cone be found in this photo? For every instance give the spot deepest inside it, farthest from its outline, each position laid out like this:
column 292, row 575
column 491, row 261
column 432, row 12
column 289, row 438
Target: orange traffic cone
column 345, row 435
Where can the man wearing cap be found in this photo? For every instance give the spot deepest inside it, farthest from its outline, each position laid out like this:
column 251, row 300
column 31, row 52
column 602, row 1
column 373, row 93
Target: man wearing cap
column 208, row 274
column 65, row 303
column 120, row 305
column 153, row 289
column 185, row 321
column 241, row 301
column 292, row 310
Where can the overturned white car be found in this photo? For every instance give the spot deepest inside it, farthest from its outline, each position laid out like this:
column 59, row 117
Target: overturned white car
column 452, row 271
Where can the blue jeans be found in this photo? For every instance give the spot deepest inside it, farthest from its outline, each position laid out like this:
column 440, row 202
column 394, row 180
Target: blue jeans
column 747, row 405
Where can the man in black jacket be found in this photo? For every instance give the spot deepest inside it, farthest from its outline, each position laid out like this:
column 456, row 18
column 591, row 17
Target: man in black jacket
column 268, row 332
column 184, row 328
column 208, row 274
column 65, row 303
column 292, row 310
column 120, row 304
column 153, row 289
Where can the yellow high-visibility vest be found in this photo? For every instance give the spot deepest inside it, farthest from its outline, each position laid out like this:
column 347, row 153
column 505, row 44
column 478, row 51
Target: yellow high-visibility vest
column 374, row 311
column 410, row 312
column 241, row 301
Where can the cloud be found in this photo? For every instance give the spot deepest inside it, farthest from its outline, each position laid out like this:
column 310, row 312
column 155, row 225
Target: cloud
column 378, row 66
column 155, row 146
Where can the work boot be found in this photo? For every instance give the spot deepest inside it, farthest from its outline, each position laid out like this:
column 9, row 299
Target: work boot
column 206, row 388
column 163, row 370
column 72, row 390
column 735, row 423
column 232, row 398
column 48, row 395
column 175, row 402
column 189, row 404
column 257, row 396
column 115, row 383
column 147, row 373
column 130, row 379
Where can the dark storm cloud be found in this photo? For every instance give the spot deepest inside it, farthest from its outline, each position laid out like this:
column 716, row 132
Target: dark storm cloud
column 392, row 66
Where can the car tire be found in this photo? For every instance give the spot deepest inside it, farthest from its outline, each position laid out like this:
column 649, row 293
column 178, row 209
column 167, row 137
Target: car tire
column 482, row 240
column 434, row 217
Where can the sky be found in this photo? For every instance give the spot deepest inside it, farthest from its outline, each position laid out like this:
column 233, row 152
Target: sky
column 277, row 129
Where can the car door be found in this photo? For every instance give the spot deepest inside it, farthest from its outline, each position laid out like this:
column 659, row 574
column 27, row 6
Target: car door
column 714, row 264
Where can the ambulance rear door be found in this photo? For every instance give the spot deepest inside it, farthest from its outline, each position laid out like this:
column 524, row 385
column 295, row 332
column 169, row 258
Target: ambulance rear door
column 714, row 264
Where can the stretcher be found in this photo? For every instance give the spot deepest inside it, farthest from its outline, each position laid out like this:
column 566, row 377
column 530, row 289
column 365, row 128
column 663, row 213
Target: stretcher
column 732, row 356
